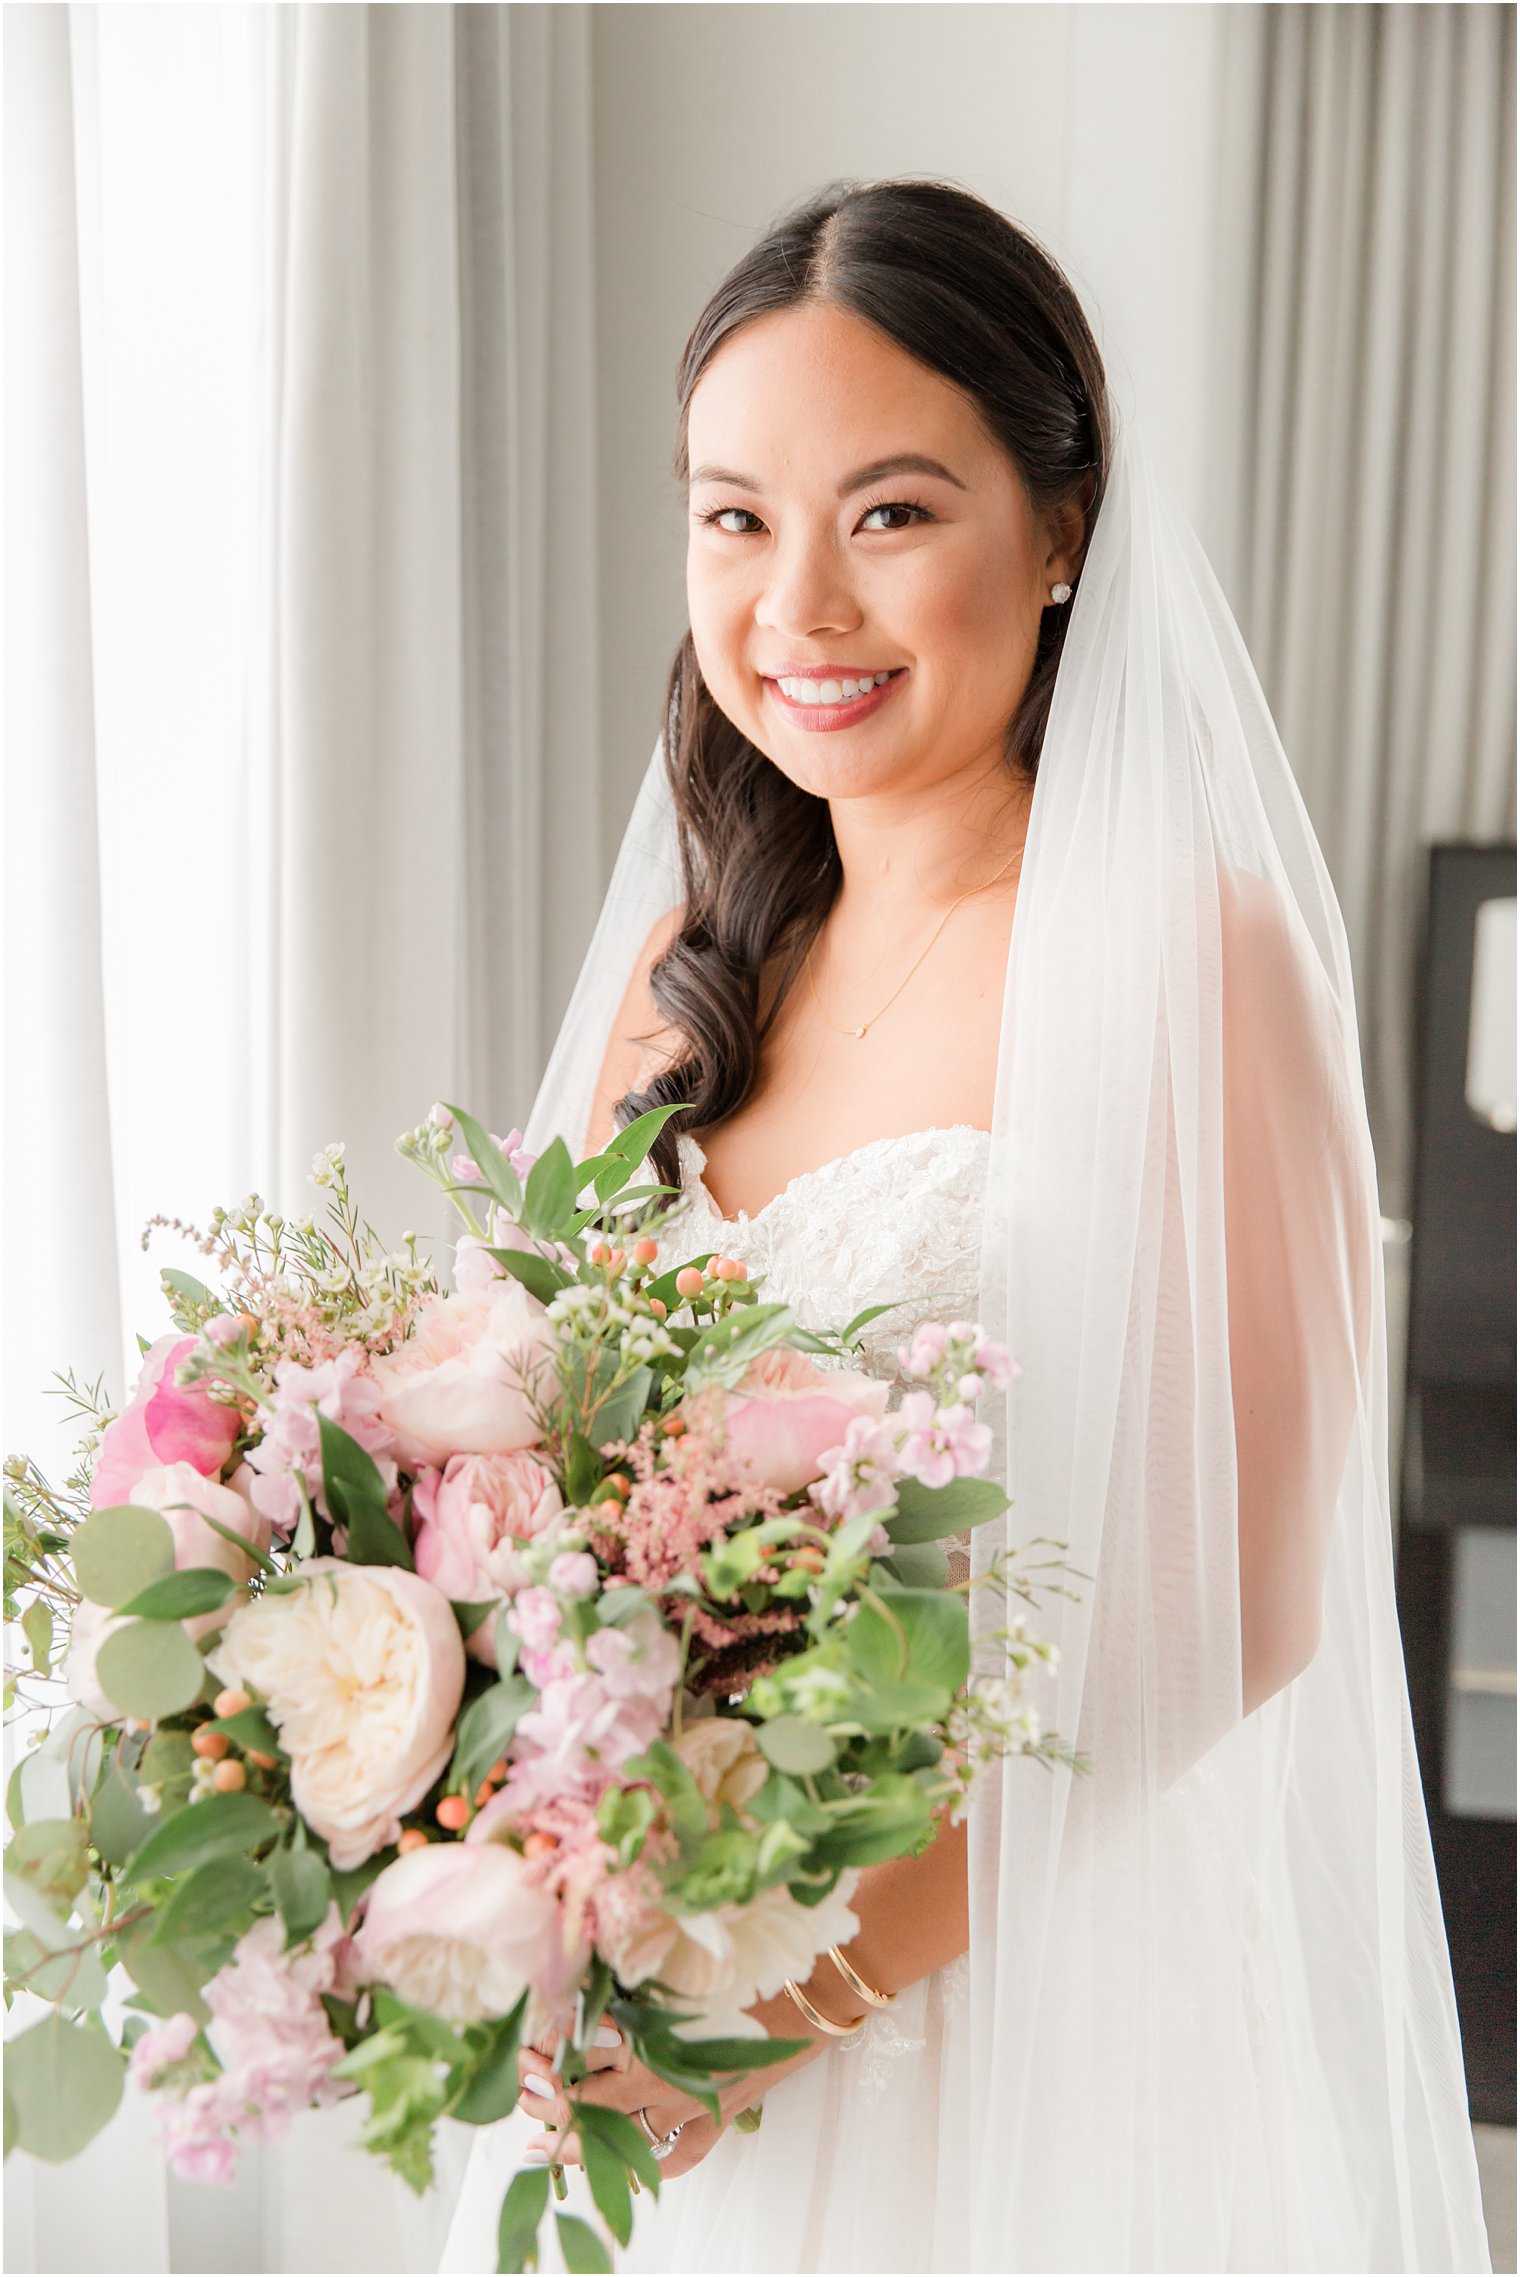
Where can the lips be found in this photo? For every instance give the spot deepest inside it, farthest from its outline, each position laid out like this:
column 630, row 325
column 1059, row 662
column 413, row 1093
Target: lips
column 823, row 717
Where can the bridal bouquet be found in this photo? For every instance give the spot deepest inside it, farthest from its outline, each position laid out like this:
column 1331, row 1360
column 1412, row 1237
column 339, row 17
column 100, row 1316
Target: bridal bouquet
column 449, row 1667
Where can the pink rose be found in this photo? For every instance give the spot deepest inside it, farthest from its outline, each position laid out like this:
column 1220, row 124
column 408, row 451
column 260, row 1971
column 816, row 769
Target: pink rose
column 470, row 1518
column 186, row 1500
column 786, row 1415
column 462, row 1930
column 164, row 1422
column 461, row 1384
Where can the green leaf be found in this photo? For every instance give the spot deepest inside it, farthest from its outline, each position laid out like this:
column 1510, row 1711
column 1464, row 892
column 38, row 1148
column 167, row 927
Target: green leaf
column 796, row 1746
column 931, row 1513
column 493, row 2086
column 65, row 2081
column 583, row 2250
column 49, row 1856
column 209, row 1829
column 719, row 2058
column 635, row 1139
column 522, row 2210
column 938, row 1632
column 37, row 1628
column 887, row 1823
column 193, row 1295
column 608, row 2178
column 168, row 1981
column 29, row 1906
column 623, row 2136
column 899, row 1707
column 540, row 1276
column 915, row 1565
column 726, row 1347
column 350, row 1883
column 620, row 1413
column 485, row 1728
column 73, row 1979
column 149, row 1669
column 119, row 1550
column 181, row 1596
column 671, row 1779
column 247, row 1549
column 549, row 1195
column 302, row 1889
column 118, row 1822
column 213, row 1896
column 496, row 1172
column 250, row 1727
column 15, row 1799
column 470, row 1613
column 355, row 1495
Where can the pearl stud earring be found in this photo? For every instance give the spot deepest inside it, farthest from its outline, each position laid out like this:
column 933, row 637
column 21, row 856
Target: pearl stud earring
column 1060, row 592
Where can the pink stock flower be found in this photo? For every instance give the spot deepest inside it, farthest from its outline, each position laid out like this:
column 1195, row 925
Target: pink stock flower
column 786, row 1413
column 161, row 2047
column 292, row 1441
column 996, row 1362
column 465, row 1168
column 164, row 1422
column 941, row 1443
column 573, row 1574
column 586, row 1723
column 466, row 1380
column 923, row 1355
column 471, row 1518
column 860, row 1474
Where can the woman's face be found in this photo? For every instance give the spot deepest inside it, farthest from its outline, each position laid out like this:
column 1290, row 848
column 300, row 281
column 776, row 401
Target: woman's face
column 812, row 557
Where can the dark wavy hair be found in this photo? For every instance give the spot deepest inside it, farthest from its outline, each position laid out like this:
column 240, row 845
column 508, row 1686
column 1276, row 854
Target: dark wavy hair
column 971, row 296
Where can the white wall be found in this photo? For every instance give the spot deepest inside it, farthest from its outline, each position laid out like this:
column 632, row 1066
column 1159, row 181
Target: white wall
column 1109, row 131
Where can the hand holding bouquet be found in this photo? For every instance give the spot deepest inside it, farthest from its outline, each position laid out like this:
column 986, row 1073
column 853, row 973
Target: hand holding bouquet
column 455, row 1669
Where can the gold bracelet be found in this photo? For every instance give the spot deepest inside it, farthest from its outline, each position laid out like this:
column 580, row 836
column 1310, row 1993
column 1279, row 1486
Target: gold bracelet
column 815, row 2017
column 857, row 1983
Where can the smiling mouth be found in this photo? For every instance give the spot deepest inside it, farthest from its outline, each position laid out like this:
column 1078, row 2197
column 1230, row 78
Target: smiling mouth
column 825, row 704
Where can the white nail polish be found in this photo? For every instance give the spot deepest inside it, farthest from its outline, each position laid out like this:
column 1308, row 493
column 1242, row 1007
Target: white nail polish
column 537, row 2086
column 536, row 2153
column 607, row 2036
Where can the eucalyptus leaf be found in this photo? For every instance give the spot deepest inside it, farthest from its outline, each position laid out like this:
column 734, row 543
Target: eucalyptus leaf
column 119, row 1550
column 65, row 2081
column 37, row 1628
column 73, row 1979
column 32, row 1908
column 210, row 1829
column 796, row 1746
column 150, row 1669
column 932, row 1513
column 169, row 1980
column 182, row 1596
column 218, row 1895
column 49, row 1855
column 302, row 1889
column 118, row 1823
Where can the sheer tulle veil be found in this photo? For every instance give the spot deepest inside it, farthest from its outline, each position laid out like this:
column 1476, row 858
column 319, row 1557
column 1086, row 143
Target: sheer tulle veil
column 1213, row 2016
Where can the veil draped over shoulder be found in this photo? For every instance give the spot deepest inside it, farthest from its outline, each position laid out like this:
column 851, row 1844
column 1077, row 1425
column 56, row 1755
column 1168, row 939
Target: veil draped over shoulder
column 1212, row 2007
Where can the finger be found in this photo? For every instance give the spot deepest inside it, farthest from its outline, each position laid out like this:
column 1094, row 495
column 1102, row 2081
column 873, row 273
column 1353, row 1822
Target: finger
column 554, row 2150
column 608, row 2051
column 691, row 2146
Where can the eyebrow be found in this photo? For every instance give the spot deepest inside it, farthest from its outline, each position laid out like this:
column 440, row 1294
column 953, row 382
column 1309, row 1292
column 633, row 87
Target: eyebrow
column 904, row 462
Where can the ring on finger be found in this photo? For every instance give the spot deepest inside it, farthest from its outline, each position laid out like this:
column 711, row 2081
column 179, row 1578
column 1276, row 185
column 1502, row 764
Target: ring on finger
column 660, row 2146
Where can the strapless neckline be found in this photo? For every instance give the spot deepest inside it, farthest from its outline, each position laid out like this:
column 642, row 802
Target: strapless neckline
column 804, row 1178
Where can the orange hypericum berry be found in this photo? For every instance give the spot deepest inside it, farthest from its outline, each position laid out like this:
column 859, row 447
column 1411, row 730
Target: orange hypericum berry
column 618, row 1260
column 657, row 1308
column 616, row 1484
column 212, row 1744
column 600, row 1253
column 609, row 1510
column 231, row 1702
column 540, row 1845
column 264, row 1762
column 646, row 1251
column 498, row 1771
column 688, row 1282
column 411, row 1838
column 675, row 1425
column 810, row 1556
column 729, row 1269
column 228, row 1777
column 453, row 1812
column 483, row 1794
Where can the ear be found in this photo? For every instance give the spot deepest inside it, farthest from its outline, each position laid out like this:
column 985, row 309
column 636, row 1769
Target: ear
column 1066, row 528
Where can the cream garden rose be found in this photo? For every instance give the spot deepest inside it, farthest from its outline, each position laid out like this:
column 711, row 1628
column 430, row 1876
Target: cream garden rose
column 461, row 1384
column 362, row 1671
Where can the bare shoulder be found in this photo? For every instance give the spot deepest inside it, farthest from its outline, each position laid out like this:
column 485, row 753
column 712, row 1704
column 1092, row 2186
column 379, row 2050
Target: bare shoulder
column 640, row 1043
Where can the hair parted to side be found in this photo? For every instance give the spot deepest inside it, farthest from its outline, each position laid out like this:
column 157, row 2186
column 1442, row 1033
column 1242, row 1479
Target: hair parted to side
column 972, row 297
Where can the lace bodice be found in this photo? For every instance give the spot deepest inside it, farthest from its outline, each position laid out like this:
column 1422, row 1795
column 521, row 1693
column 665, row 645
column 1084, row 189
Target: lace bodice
column 898, row 1220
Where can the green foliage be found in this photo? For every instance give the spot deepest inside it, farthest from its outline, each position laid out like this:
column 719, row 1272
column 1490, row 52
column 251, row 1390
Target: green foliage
column 582, row 2249
column 150, row 1669
column 540, row 1276
column 549, row 1195
column 795, row 1745
column 522, row 2210
column 623, row 1819
column 491, row 2084
column 471, row 1615
column 726, row 1346
column 210, row 1829
column 72, row 1976
column 37, row 1628
column 182, row 1596
column 49, row 1856
column 119, row 1550
column 118, row 1823
column 933, row 1513
column 64, row 2082
column 499, row 1178
column 355, row 1495
column 302, row 1889
column 485, row 1728
column 219, row 1895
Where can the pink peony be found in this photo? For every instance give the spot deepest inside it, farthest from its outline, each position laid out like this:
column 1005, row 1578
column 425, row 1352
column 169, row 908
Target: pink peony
column 786, row 1414
column 164, row 1422
column 470, row 1517
column 462, row 1929
column 291, row 1438
column 464, row 1380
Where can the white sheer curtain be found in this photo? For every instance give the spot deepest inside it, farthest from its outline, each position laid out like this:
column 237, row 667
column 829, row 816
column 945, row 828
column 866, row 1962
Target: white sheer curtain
column 301, row 756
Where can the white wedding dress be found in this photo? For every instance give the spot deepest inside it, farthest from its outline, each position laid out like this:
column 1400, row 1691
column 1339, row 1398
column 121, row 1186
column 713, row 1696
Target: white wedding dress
column 861, row 2160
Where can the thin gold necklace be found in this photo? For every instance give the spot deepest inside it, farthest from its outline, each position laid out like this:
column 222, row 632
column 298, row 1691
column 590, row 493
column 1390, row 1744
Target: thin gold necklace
column 917, row 961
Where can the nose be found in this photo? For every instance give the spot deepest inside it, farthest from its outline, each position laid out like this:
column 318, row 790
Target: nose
column 807, row 592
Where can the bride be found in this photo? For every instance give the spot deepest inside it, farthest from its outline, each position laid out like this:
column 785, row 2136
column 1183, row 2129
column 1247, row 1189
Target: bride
column 970, row 905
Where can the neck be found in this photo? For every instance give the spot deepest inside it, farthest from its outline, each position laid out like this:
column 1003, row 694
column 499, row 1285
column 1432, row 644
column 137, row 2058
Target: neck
column 903, row 851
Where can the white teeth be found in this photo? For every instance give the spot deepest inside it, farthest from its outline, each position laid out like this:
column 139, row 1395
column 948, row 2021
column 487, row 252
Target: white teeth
column 830, row 691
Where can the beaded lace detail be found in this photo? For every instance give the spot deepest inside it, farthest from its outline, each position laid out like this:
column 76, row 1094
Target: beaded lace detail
column 896, row 1221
